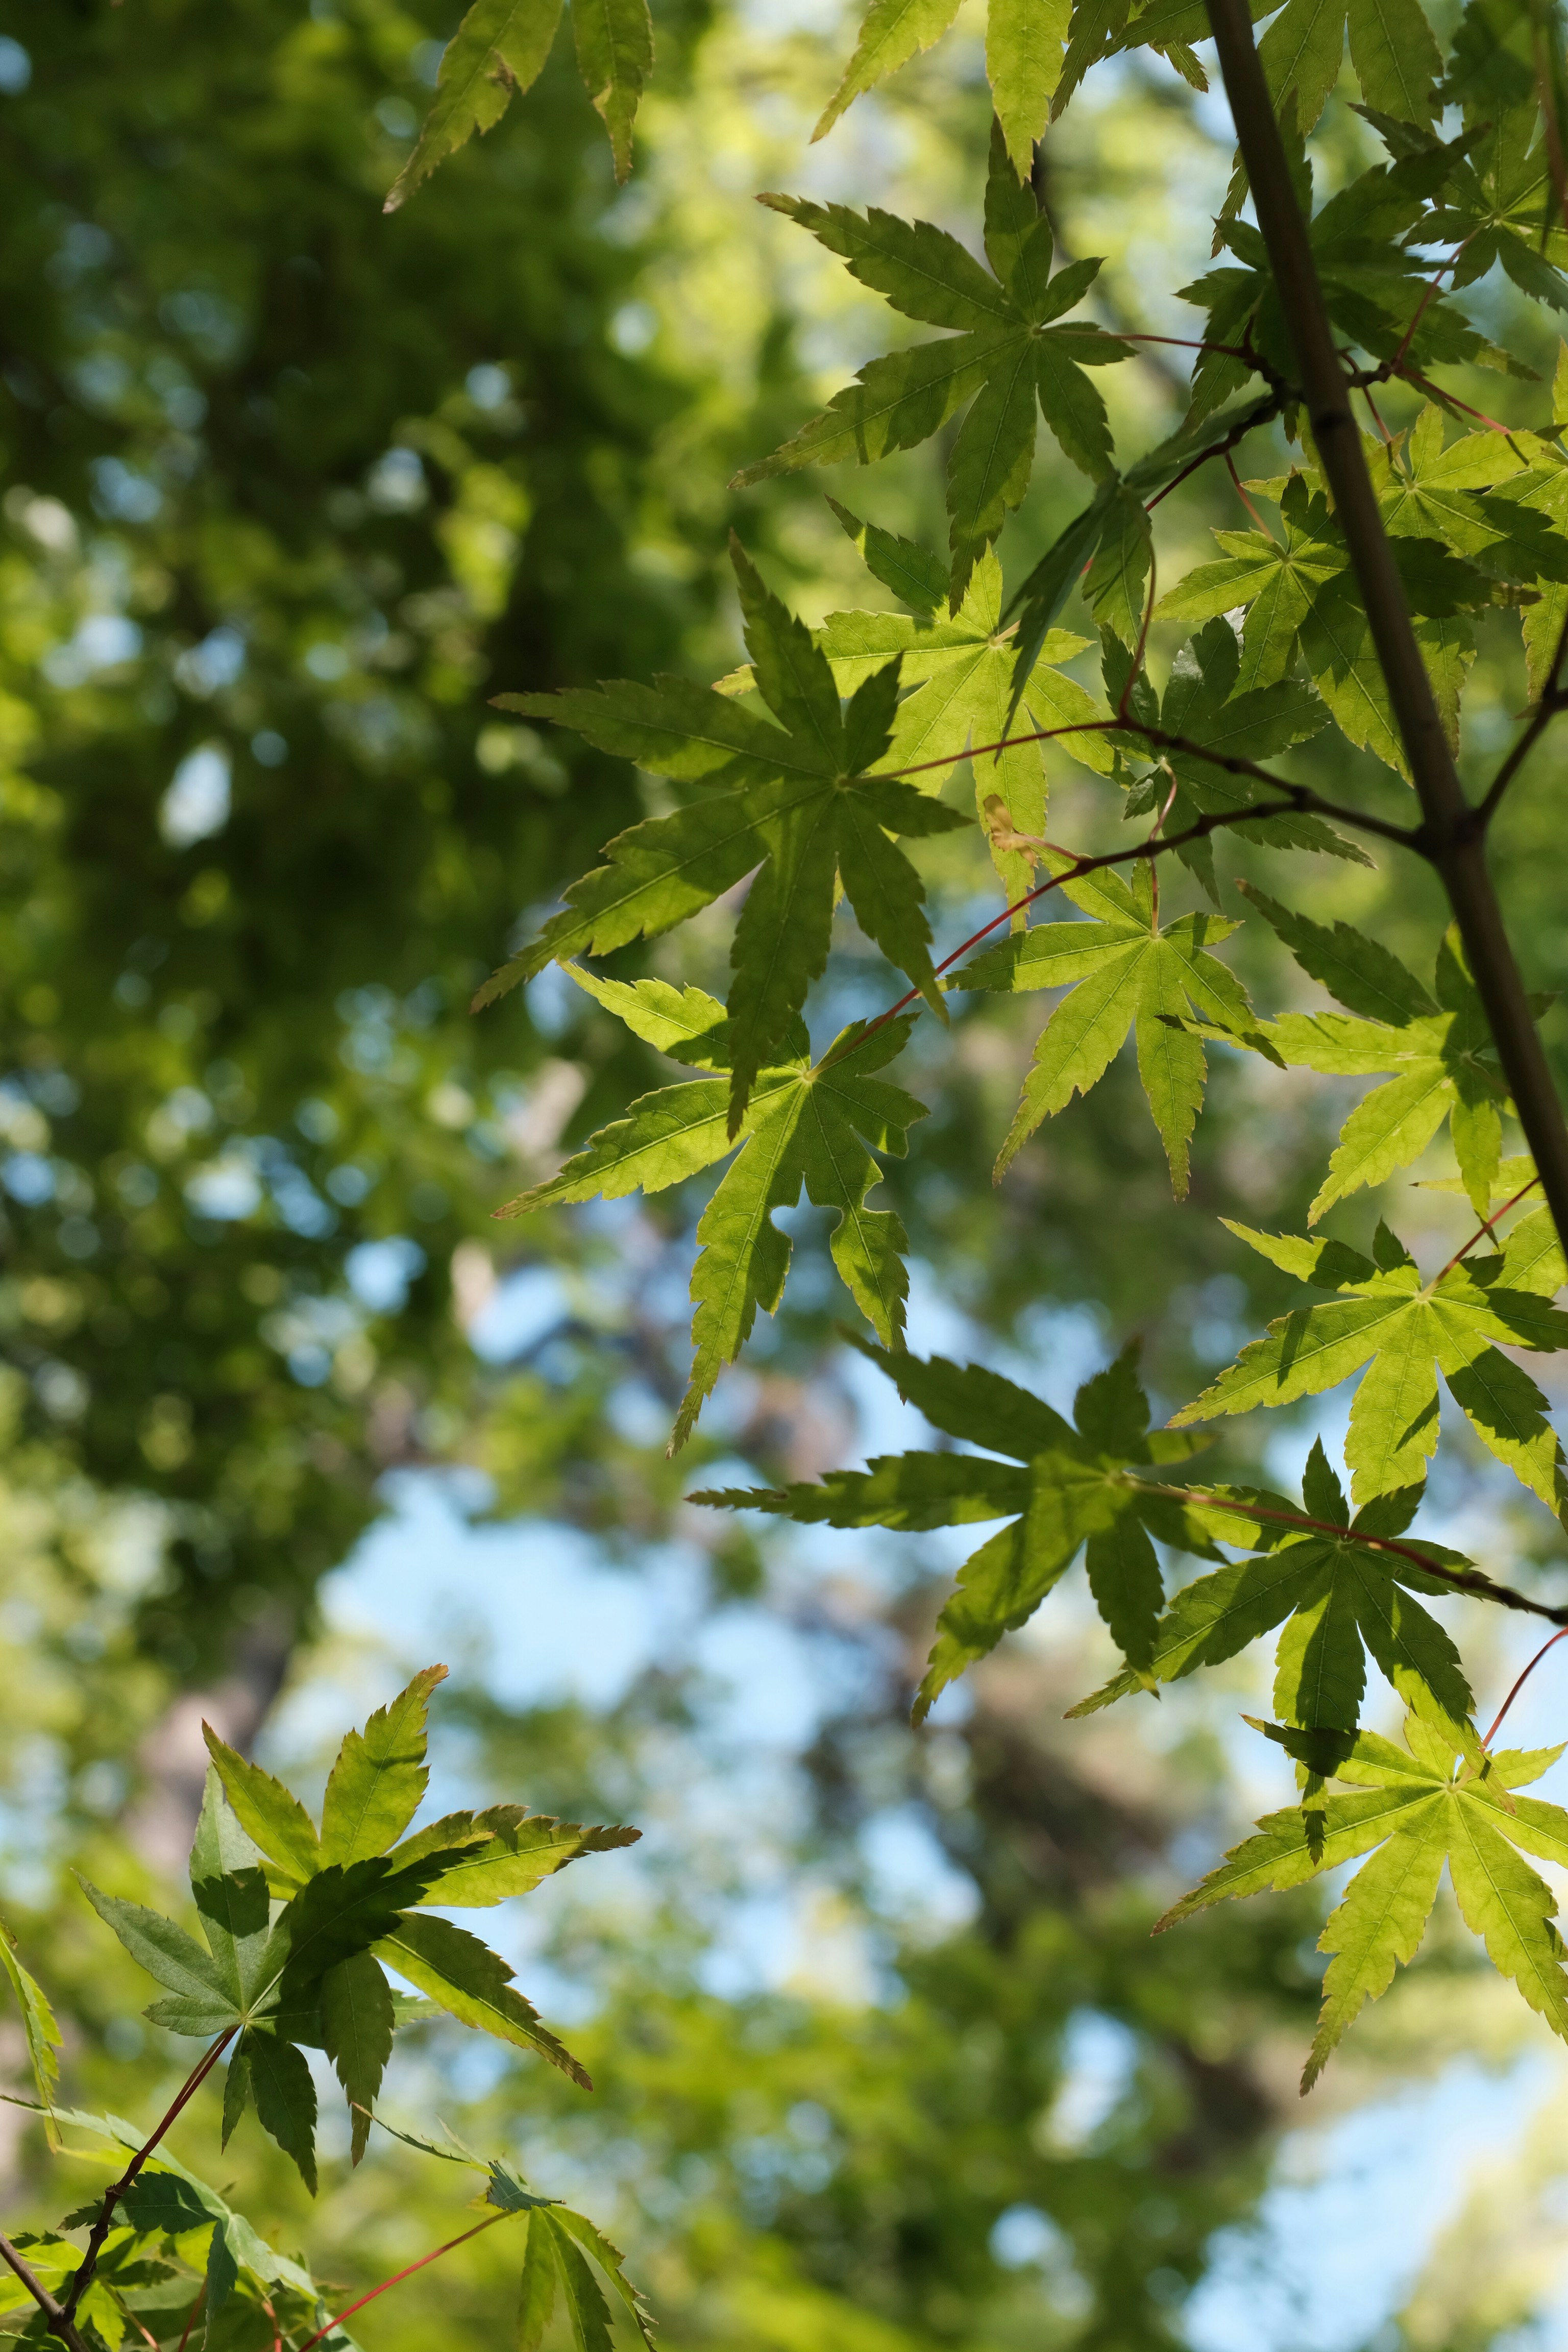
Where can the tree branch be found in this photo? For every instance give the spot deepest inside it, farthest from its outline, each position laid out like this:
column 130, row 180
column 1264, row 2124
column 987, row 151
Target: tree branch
column 1452, row 832
column 59, row 2319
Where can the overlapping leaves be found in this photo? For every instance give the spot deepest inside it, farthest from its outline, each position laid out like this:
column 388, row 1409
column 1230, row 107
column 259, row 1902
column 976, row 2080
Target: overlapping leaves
column 1206, row 707
column 963, row 671
column 1009, row 356
column 796, row 801
column 1399, row 1331
column 815, row 1125
column 1062, row 1487
column 1457, row 552
column 353, row 1892
column 1412, row 1811
column 1438, row 1044
column 1337, row 1599
column 153, row 2268
column 1379, row 293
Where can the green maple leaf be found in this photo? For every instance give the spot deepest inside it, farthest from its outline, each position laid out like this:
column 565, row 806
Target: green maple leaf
column 40, row 2030
column 796, row 801
column 1411, row 1811
column 1402, row 1331
column 1498, row 203
column 1274, row 582
column 501, row 46
column 1393, row 51
column 1439, row 1045
column 1036, row 52
column 1300, row 596
column 1376, row 288
column 1474, row 494
column 962, row 670
column 1060, row 1488
column 168, row 2199
column 1335, row 1599
column 815, row 1125
column 1009, row 357
column 1108, row 546
column 307, row 1972
column 1206, row 704
column 553, row 2263
column 1125, row 972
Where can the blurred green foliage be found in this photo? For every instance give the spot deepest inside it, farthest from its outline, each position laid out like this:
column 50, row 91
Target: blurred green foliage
column 289, row 489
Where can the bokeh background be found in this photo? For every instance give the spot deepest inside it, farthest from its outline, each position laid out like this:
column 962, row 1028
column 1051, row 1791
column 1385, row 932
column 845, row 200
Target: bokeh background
column 886, row 2058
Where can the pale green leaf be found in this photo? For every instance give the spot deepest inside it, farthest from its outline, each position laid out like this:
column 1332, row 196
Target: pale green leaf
column 1395, row 57
column 1379, row 1924
column 894, row 30
column 1024, row 45
column 1512, row 1908
column 375, row 1786
column 38, row 2027
column 267, row 1811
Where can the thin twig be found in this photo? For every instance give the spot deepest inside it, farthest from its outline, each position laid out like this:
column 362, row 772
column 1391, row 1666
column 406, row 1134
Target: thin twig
column 82, row 2278
column 1183, row 344
column 1212, row 821
column 1302, row 801
column 126, row 2313
column 59, row 2319
column 489, row 2223
column 1486, row 1225
column 193, row 2315
column 1519, row 1686
column 1366, row 395
column 1260, row 414
column 1241, row 494
column 1553, row 700
column 1451, row 400
column 1420, row 311
column 1463, row 1580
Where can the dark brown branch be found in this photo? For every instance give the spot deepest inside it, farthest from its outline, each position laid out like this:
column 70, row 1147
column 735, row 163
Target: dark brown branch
column 59, row 2319
column 1463, row 1580
column 1452, row 832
